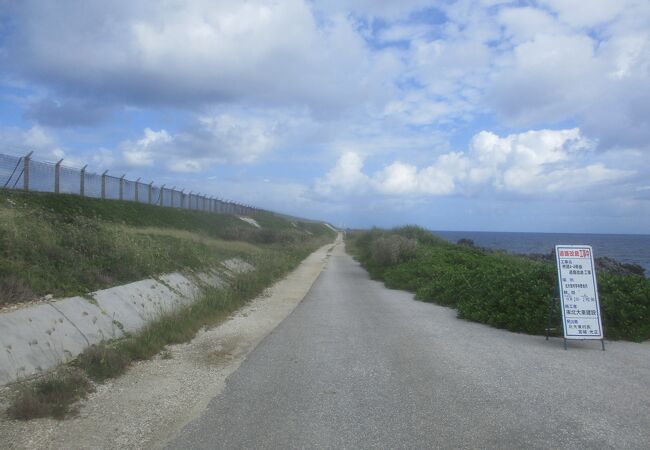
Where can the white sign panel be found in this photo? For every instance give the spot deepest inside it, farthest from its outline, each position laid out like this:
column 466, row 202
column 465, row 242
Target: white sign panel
column 578, row 292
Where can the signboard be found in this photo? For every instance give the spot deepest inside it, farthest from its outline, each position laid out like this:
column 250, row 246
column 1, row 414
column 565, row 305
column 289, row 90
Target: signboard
column 578, row 292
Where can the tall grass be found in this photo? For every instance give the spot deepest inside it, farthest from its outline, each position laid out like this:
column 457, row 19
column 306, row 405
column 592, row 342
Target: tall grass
column 70, row 245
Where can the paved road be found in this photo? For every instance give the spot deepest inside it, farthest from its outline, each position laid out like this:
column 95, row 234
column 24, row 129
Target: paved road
column 359, row 366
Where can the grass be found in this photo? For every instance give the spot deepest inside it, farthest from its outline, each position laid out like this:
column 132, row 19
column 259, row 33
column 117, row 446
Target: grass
column 51, row 396
column 502, row 290
column 69, row 245
column 65, row 250
column 56, row 394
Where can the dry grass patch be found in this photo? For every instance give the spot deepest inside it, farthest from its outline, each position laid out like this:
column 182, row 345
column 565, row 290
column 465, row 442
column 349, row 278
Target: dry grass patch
column 53, row 395
column 14, row 290
column 231, row 246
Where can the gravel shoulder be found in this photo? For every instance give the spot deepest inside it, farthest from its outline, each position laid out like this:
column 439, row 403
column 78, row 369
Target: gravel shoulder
column 156, row 398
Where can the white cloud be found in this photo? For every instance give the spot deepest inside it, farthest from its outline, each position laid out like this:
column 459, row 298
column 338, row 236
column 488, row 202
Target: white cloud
column 395, row 85
column 46, row 147
column 437, row 179
column 151, row 53
column 550, row 79
column 530, row 163
column 143, row 151
column 345, row 177
column 524, row 23
column 41, row 141
column 385, row 9
column 578, row 13
column 222, row 137
column 243, row 139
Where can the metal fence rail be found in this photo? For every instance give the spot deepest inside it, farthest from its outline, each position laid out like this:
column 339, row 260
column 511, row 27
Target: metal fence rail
column 24, row 173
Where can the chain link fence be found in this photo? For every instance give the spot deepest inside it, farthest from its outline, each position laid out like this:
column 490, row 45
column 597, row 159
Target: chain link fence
column 24, row 173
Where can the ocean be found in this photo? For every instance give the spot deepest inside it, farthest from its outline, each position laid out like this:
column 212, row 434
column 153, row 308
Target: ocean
column 628, row 248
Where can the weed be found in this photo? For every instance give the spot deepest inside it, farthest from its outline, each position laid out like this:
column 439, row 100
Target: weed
column 14, row 290
column 102, row 361
column 53, row 395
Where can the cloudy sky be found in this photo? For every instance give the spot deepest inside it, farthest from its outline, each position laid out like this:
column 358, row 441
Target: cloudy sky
column 454, row 115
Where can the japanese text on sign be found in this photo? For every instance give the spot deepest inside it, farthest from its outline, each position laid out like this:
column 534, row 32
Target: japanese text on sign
column 578, row 292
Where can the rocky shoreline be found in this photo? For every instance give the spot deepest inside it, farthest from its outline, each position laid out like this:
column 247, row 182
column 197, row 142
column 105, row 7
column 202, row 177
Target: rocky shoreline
column 604, row 264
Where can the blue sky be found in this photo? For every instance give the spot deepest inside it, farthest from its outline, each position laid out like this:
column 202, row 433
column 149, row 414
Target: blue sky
column 459, row 115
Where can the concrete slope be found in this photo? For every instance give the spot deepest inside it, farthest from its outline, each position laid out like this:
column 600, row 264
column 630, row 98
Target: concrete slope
column 37, row 338
column 155, row 398
column 359, row 366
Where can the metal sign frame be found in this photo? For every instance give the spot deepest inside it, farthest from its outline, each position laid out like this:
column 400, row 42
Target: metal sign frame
column 564, row 285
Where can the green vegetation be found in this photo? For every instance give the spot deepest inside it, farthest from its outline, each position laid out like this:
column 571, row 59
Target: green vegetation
column 69, row 245
column 495, row 288
column 56, row 393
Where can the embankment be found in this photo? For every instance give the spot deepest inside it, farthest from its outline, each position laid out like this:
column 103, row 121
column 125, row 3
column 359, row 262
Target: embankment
column 122, row 266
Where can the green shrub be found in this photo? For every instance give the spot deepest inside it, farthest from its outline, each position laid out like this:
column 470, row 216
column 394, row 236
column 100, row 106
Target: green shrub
column 393, row 249
column 495, row 288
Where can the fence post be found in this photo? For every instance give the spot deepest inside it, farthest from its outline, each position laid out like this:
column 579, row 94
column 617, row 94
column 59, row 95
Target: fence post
column 122, row 187
column 82, row 181
column 104, row 184
column 26, row 171
column 137, row 194
column 182, row 192
column 171, row 195
column 150, row 188
column 57, row 176
column 162, row 192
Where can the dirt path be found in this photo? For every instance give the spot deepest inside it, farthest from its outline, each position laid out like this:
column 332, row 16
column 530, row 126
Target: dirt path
column 156, row 398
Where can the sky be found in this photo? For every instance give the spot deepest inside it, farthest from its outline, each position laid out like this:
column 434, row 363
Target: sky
column 482, row 115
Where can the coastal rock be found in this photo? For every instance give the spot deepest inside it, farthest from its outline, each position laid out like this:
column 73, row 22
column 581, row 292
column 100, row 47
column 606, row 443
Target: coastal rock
column 610, row 265
column 604, row 264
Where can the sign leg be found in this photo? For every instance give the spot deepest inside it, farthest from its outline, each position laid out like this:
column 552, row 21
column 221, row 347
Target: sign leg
column 565, row 347
column 550, row 317
column 602, row 341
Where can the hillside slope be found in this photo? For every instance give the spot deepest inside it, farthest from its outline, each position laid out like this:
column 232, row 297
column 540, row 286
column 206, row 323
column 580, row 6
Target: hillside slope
column 64, row 245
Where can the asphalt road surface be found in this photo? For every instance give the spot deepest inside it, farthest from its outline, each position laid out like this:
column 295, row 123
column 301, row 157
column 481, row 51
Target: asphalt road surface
column 357, row 365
